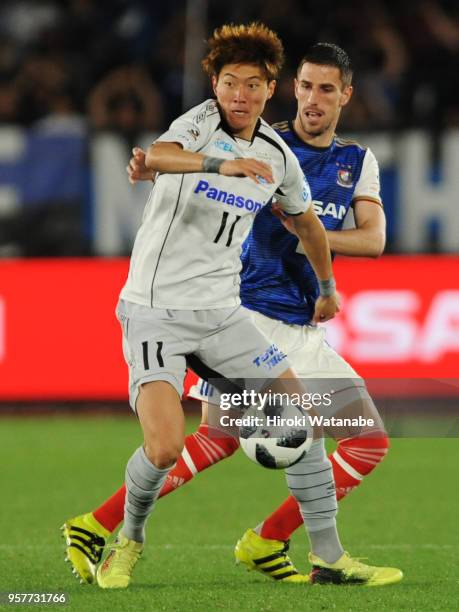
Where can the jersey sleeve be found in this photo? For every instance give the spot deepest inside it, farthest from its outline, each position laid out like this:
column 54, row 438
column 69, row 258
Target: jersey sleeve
column 294, row 194
column 368, row 187
column 193, row 129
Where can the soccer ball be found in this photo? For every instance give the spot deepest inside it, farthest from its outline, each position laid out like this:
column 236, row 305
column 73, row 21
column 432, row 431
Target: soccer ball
column 276, row 437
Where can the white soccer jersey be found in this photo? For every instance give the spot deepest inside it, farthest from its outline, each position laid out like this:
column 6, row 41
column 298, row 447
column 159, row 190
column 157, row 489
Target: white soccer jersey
column 187, row 251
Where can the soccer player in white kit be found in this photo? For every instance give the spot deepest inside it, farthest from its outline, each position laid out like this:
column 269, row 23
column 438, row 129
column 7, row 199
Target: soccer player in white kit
column 86, row 534
column 181, row 298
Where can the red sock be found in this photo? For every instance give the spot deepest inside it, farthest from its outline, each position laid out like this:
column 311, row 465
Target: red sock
column 200, row 452
column 353, row 459
column 111, row 513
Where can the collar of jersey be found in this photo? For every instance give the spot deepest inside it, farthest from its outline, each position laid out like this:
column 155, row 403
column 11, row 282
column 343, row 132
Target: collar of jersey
column 310, row 146
column 226, row 128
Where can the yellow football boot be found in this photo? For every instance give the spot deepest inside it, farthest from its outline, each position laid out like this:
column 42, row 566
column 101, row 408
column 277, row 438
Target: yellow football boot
column 116, row 571
column 351, row 571
column 268, row 557
column 85, row 540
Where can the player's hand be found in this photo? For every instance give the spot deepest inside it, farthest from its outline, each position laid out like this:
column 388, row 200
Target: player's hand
column 256, row 170
column 137, row 170
column 286, row 221
column 326, row 308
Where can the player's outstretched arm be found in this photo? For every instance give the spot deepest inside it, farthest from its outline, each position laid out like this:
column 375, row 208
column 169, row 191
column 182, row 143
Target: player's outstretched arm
column 314, row 241
column 171, row 158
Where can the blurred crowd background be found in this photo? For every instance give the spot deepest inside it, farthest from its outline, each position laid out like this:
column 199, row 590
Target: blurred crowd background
column 79, row 68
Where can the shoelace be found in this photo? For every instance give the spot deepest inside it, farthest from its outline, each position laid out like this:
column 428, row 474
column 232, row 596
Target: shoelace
column 124, row 562
column 357, row 565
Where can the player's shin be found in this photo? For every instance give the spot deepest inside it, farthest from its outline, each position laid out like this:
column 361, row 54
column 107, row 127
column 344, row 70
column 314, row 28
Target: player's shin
column 311, row 483
column 353, row 460
column 203, row 448
column 143, row 484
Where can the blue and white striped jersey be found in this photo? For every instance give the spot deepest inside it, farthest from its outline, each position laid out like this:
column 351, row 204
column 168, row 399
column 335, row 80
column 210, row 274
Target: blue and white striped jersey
column 276, row 279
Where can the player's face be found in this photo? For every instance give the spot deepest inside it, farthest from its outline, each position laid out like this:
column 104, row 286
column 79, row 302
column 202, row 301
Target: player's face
column 321, row 96
column 242, row 91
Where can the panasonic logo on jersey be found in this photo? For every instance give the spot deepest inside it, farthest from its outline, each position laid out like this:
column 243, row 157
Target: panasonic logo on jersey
column 227, row 197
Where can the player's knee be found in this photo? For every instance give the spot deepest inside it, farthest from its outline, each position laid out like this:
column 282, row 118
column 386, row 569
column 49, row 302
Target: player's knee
column 378, row 441
column 164, row 455
column 379, row 445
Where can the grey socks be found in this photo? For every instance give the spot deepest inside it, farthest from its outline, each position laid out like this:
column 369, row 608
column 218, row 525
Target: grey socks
column 311, row 483
column 326, row 544
column 143, row 484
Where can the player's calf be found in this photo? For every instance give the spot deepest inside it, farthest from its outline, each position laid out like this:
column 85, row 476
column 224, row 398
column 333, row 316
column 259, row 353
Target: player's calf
column 355, row 458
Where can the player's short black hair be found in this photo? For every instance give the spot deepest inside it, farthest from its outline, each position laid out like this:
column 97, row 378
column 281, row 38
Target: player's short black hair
column 329, row 54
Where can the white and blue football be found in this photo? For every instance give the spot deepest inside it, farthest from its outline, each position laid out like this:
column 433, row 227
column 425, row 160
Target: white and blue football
column 276, row 437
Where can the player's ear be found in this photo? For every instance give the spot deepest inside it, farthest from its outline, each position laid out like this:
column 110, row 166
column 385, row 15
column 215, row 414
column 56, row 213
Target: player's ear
column 271, row 88
column 214, row 81
column 346, row 95
column 295, row 87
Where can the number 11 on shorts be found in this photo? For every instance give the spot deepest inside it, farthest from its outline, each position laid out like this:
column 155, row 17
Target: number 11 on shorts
column 159, row 357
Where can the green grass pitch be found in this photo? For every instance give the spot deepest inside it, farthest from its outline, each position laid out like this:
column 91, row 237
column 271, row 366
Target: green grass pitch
column 52, row 468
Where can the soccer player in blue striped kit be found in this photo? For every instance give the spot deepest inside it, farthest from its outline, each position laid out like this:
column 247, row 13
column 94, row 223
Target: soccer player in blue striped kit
column 280, row 289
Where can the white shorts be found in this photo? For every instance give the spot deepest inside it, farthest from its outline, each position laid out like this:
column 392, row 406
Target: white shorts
column 158, row 344
column 308, row 351
column 311, row 358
